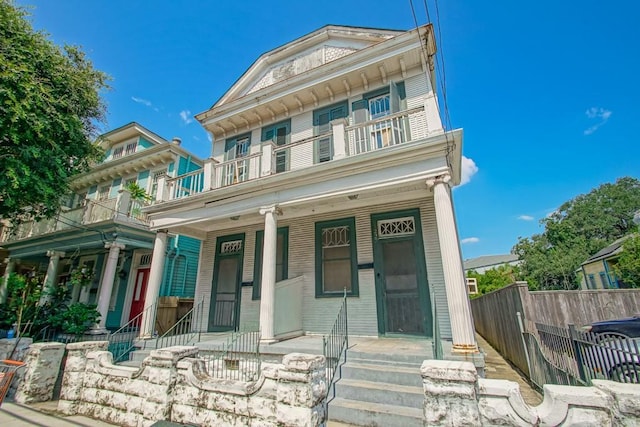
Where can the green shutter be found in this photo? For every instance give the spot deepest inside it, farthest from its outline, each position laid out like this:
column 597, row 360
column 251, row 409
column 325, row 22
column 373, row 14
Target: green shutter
column 257, row 265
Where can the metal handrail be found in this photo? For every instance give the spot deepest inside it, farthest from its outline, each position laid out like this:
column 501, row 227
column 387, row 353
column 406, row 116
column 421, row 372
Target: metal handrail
column 335, row 345
column 183, row 331
column 437, row 339
column 238, row 360
column 122, row 341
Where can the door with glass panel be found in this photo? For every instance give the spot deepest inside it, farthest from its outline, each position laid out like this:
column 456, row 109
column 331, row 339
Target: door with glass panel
column 402, row 290
column 236, row 165
column 224, row 306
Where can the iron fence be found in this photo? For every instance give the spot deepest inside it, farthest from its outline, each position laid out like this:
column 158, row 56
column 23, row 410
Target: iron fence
column 568, row 356
column 123, row 341
column 335, row 345
column 238, row 359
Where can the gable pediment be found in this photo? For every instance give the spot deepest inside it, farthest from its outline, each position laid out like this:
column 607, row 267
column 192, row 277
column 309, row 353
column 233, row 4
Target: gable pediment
column 328, row 44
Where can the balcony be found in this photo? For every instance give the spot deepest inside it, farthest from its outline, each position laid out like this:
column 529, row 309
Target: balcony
column 342, row 141
column 121, row 209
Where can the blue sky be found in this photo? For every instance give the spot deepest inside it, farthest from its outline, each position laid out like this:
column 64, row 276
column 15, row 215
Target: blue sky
column 547, row 92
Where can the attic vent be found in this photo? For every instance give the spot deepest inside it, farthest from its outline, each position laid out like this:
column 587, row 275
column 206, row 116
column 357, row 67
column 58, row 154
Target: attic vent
column 396, row 227
column 231, row 247
column 145, row 260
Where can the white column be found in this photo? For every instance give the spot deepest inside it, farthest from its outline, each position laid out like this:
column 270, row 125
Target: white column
column 153, row 286
column 106, row 288
column 50, row 277
column 11, row 264
column 462, row 329
column 268, row 279
column 268, row 163
column 432, row 114
column 339, row 138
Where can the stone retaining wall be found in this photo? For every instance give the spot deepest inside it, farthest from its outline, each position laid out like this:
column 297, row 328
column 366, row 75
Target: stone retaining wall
column 455, row 396
column 40, row 373
column 172, row 385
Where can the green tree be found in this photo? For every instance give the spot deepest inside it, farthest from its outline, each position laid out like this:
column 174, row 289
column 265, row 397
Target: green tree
column 578, row 229
column 50, row 106
column 496, row 278
column 627, row 267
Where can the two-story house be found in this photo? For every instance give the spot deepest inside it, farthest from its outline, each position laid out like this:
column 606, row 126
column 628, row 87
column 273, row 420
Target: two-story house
column 102, row 228
column 330, row 172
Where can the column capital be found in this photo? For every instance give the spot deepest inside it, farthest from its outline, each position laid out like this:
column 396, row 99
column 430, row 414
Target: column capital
column 55, row 254
column 439, row 179
column 162, row 230
column 110, row 245
column 270, row 209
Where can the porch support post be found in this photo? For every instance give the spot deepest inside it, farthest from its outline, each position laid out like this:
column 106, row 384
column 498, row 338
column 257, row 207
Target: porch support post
column 50, row 277
column 268, row 279
column 106, row 288
column 339, row 138
column 455, row 285
column 11, row 265
column 432, row 115
column 153, row 286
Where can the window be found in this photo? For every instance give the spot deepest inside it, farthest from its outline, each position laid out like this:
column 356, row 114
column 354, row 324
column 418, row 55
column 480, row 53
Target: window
column 154, row 183
column 117, row 152
column 592, row 282
column 376, row 105
column 604, row 280
column 472, row 285
column 236, row 148
column 129, row 181
column 282, row 259
column 131, row 148
column 323, row 150
column 80, row 199
column 103, row 192
column 336, row 258
column 279, row 134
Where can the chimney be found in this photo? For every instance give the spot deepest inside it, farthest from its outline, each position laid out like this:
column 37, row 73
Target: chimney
column 176, row 140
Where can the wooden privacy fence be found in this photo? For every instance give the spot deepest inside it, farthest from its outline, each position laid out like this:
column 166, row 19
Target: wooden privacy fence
column 496, row 320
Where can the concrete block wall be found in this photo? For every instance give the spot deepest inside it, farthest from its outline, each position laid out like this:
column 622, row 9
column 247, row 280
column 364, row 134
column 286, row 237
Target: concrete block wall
column 172, row 385
column 455, row 396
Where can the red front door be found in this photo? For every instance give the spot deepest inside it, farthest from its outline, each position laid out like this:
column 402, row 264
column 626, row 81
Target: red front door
column 139, row 292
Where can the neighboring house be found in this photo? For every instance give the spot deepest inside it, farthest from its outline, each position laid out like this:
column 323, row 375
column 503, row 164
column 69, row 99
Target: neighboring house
column 597, row 271
column 102, row 229
column 489, row 262
column 331, row 173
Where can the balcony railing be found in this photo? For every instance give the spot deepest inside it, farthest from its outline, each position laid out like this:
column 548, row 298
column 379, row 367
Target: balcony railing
column 342, row 141
column 122, row 208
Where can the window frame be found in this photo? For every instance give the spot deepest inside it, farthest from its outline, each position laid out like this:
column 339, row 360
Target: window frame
column 353, row 247
column 257, row 260
column 286, row 124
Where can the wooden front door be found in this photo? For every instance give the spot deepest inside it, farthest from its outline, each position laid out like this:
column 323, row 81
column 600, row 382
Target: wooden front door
column 227, row 279
column 402, row 292
column 139, row 292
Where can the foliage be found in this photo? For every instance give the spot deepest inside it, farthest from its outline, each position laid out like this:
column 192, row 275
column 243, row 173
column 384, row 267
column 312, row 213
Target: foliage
column 627, row 267
column 495, row 278
column 75, row 319
column 34, row 308
column 138, row 193
column 575, row 231
column 49, row 109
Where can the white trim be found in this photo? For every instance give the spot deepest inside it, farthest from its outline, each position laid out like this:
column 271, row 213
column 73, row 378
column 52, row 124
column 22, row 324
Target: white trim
column 133, row 273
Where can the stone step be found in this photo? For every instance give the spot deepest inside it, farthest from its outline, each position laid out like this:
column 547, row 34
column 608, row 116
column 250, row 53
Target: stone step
column 139, row 355
column 390, row 359
column 132, row 363
column 399, row 375
column 379, row 392
column 373, row 414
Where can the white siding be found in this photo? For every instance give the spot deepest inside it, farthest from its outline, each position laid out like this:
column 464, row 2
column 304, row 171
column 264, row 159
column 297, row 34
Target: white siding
column 319, row 313
column 301, row 128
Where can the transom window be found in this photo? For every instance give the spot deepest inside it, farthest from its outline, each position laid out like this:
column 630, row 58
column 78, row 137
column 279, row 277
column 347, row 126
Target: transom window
column 396, row 227
column 336, row 258
column 379, row 106
column 231, row 247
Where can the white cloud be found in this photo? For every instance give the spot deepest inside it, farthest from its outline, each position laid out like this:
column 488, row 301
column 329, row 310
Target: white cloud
column 185, row 115
column 469, row 240
column 469, row 169
column 526, row 217
column 597, row 113
column 144, row 102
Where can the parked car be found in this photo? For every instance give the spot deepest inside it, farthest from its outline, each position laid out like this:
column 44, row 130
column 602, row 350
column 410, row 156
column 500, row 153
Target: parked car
column 616, row 359
column 627, row 327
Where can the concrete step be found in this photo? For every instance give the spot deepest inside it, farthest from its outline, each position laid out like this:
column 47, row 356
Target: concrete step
column 388, row 358
column 379, row 392
column 399, row 375
column 373, row 414
column 139, row 355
